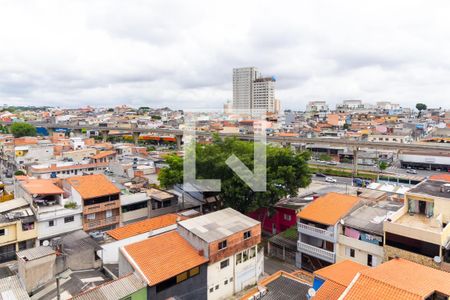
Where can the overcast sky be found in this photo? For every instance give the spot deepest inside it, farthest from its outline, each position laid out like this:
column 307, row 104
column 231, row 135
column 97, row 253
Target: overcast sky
column 181, row 53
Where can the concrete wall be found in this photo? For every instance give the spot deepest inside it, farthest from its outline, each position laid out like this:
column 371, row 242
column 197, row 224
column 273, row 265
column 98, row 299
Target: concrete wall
column 45, row 231
column 36, row 273
column 192, row 288
column 218, row 276
column 362, row 250
column 134, row 215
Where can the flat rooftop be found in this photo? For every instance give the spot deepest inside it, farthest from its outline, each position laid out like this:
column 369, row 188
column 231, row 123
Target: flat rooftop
column 421, row 222
column 431, row 187
column 218, row 225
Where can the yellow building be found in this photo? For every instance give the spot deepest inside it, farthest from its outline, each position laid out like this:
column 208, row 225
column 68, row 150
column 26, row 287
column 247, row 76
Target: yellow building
column 17, row 228
column 420, row 230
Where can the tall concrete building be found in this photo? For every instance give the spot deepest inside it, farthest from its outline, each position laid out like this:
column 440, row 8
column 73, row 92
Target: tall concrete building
column 253, row 93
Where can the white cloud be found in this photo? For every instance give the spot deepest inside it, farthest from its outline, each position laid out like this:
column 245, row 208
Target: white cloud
column 181, row 53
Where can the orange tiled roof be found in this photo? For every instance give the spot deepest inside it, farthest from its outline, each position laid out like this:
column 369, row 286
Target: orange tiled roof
column 143, row 226
column 329, row 290
column 342, row 272
column 163, row 256
column 92, row 186
column 440, row 177
column 103, row 154
column 41, row 187
column 328, row 209
column 399, row 279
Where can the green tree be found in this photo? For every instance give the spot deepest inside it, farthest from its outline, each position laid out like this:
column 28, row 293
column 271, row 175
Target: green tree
column 382, row 165
column 19, row 173
column 19, row 129
column 287, row 171
column 420, row 107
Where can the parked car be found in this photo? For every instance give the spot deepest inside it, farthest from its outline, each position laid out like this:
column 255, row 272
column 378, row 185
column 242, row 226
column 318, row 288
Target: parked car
column 330, row 179
column 320, row 175
column 411, row 171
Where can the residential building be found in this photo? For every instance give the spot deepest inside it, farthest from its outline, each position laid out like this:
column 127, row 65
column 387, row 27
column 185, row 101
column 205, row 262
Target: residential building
column 400, row 139
column 170, row 266
column 64, row 169
column 17, row 228
column 229, row 240
column 317, row 225
column 420, row 230
column 361, row 232
column 135, row 232
column 100, row 199
column 263, row 95
column 55, row 213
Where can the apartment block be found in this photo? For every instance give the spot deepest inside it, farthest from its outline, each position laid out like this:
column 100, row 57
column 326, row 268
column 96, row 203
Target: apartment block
column 318, row 225
column 229, row 240
column 420, row 230
column 100, row 199
column 17, row 228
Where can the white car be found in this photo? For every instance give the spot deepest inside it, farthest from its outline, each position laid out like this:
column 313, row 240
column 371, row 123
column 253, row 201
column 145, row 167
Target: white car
column 411, row 171
column 330, row 179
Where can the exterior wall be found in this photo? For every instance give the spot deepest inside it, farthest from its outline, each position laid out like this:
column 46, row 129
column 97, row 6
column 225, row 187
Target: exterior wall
column 247, row 273
column 392, row 252
column 101, row 221
column 194, row 240
column 192, row 288
column 235, row 244
column 134, row 215
column 124, row 265
column 282, row 219
column 36, row 273
column 218, row 277
column 45, row 231
column 78, row 155
column 139, row 295
column 362, row 250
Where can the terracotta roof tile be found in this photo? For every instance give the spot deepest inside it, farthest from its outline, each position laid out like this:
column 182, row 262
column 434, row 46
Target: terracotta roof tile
column 103, row 154
column 329, row 290
column 342, row 272
column 41, row 187
column 143, row 226
column 163, row 256
column 440, row 177
column 329, row 209
column 92, row 186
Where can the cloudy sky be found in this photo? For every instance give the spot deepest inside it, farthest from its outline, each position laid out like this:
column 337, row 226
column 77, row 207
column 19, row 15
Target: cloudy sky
column 181, row 53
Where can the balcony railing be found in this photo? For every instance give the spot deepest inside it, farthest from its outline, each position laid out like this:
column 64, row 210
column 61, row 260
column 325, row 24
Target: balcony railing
column 88, row 225
column 94, row 208
column 316, row 232
column 316, row 252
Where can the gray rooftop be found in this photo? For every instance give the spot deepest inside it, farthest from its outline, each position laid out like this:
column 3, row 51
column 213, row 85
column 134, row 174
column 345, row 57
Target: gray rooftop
column 112, row 290
column 432, row 187
column 11, row 289
column 218, row 225
column 35, row 253
column 285, row 288
column 370, row 218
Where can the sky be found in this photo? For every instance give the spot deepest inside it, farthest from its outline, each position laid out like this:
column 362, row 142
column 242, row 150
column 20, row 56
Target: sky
column 181, row 53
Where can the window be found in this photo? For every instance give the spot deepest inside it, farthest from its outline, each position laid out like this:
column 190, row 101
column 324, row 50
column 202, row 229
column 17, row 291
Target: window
column 217, row 287
column 27, row 226
column 182, row 277
column 2, row 232
column 224, row 263
column 247, row 235
column 231, row 279
column 238, row 258
column 51, row 223
column 350, row 252
column 222, row 245
column 225, row 282
column 252, row 252
column 194, row 271
column 287, row 217
column 90, row 216
column 109, row 213
column 211, row 290
column 245, row 255
column 69, row 219
column 369, row 260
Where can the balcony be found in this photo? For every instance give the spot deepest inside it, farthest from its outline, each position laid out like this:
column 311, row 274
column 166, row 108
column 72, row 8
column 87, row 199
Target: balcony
column 316, row 232
column 90, row 209
column 95, row 224
column 316, row 252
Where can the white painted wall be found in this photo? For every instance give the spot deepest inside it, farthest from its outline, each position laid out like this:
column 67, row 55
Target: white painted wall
column 218, row 276
column 45, row 231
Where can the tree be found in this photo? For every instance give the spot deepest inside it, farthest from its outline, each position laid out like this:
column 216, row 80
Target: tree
column 325, row 157
column 420, row 107
column 19, row 173
column 382, row 165
column 287, row 171
column 19, row 129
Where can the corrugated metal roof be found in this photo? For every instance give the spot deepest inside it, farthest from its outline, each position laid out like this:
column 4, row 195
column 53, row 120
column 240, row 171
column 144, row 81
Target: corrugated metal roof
column 12, row 204
column 113, row 290
column 218, row 225
column 11, row 286
column 35, row 253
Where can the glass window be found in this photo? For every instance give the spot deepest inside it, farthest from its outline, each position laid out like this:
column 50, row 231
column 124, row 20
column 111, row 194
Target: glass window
column 238, row 258
column 182, row 277
column 245, row 255
column 194, row 271
column 2, row 231
column 109, row 213
column 222, row 245
column 69, row 219
column 51, row 223
column 224, row 263
column 247, row 235
column 90, row 216
column 252, row 252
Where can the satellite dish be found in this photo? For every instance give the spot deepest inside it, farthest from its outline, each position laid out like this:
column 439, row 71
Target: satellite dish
column 342, row 222
column 311, row 292
column 45, row 243
column 437, row 259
